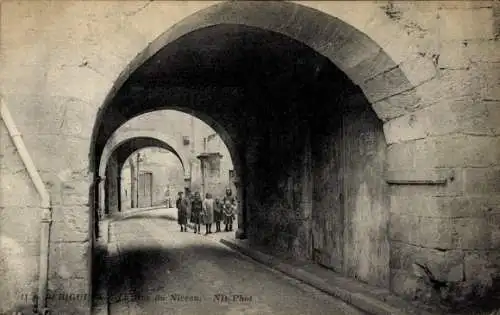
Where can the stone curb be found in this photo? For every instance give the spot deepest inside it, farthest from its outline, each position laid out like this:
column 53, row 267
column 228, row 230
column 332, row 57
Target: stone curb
column 362, row 301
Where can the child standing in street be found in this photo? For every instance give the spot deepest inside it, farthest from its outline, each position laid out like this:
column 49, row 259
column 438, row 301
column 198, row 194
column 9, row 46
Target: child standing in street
column 208, row 213
column 228, row 216
column 196, row 212
column 182, row 205
column 217, row 214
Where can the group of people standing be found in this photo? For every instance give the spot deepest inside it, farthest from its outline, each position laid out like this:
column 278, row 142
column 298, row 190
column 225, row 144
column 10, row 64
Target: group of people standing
column 207, row 211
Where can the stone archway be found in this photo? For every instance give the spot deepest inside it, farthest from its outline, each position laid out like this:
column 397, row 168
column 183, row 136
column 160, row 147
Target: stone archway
column 167, row 142
column 119, row 148
column 365, row 70
column 387, row 73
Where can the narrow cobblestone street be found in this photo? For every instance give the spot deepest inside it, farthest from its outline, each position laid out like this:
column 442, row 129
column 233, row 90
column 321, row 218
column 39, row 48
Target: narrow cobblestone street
column 159, row 270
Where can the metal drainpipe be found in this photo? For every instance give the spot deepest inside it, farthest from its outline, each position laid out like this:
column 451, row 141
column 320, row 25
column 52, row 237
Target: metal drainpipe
column 137, row 179
column 45, row 204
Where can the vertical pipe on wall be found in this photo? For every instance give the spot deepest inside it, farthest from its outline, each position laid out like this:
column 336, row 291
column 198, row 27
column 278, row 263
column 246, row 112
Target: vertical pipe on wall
column 44, row 260
column 137, row 183
column 45, row 204
column 133, row 187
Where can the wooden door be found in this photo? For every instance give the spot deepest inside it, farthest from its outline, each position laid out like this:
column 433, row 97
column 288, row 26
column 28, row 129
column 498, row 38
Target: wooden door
column 350, row 199
column 145, row 190
column 328, row 210
column 366, row 235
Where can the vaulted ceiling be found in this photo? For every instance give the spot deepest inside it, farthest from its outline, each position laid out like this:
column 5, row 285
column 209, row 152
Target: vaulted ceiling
column 232, row 55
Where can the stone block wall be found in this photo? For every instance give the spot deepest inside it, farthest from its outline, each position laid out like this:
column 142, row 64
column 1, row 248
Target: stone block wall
column 450, row 134
column 446, row 129
column 20, row 215
column 59, row 62
column 66, row 178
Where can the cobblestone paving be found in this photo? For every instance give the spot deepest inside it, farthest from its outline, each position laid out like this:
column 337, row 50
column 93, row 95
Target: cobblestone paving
column 156, row 269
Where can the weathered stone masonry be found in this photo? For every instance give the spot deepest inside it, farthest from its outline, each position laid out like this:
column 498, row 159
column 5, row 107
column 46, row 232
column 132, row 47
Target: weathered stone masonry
column 419, row 187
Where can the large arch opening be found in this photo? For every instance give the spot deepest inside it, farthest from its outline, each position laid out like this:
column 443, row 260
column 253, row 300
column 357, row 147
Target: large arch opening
column 295, row 108
column 113, row 167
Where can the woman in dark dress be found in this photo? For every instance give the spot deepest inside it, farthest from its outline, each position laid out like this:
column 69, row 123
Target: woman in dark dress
column 196, row 211
column 181, row 205
column 217, row 214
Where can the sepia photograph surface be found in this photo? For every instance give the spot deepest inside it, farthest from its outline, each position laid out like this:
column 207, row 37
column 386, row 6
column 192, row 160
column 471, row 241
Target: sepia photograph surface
column 249, row 157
